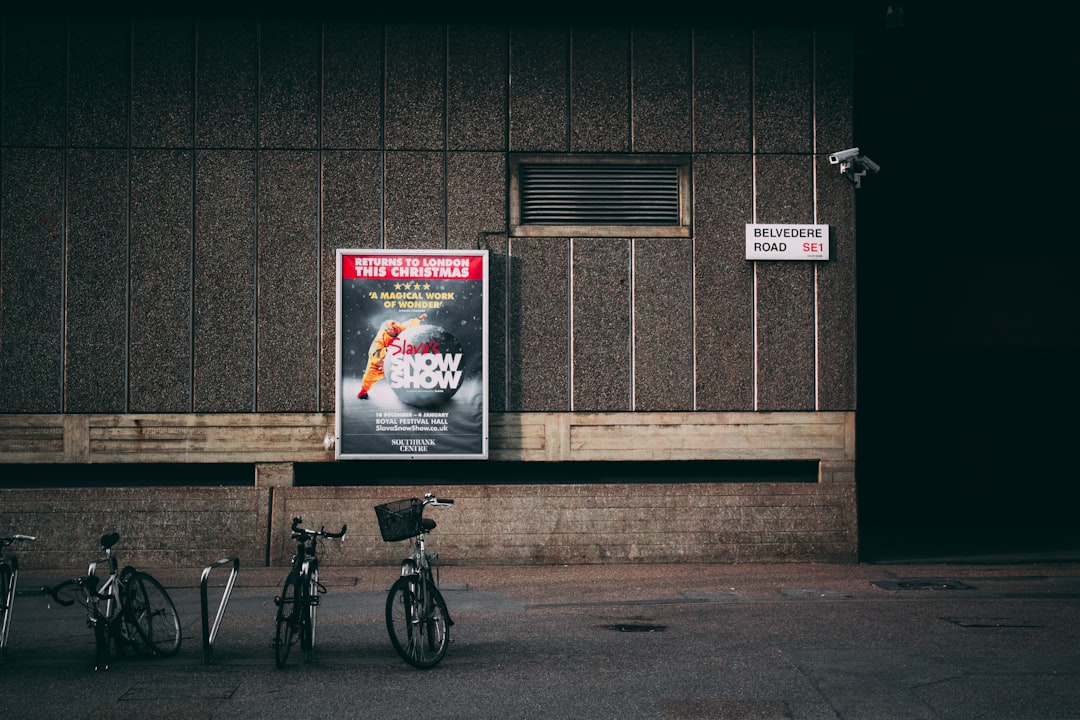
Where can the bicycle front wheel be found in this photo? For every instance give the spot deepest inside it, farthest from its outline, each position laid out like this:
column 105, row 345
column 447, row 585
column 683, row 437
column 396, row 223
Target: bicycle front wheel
column 309, row 608
column 150, row 609
column 418, row 622
column 287, row 615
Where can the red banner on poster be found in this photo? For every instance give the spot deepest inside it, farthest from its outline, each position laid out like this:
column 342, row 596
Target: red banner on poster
column 412, row 267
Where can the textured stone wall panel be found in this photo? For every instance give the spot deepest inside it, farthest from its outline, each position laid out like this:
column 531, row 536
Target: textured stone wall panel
column 224, row 281
column 96, row 279
column 31, row 284
column 539, row 76
column 162, row 83
column 159, row 375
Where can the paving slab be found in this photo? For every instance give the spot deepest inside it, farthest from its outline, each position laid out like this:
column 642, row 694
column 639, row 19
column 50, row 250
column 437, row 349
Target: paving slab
column 671, row 642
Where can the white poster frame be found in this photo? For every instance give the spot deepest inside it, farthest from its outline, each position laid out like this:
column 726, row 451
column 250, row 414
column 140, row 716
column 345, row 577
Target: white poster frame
column 409, row 327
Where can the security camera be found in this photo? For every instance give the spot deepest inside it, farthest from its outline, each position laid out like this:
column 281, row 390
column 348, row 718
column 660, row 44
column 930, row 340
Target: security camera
column 844, row 155
column 854, row 164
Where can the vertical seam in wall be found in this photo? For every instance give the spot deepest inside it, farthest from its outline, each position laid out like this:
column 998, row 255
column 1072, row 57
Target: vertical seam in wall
column 570, row 242
column 693, row 222
column 321, row 331
column 382, row 142
column 446, row 138
column 507, row 263
column 632, row 241
column 508, row 96
column 508, row 284
column 269, row 520
column 851, row 400
column 569, row 86
column 192, row 196
column 127, row 216
column 255, row 204
column 630, row 89
column 815, row 265
column 753, row 214
column 633, row 326
column 64, row 218
column 570, row 313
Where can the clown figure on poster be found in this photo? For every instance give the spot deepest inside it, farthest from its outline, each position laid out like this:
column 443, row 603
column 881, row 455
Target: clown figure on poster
column 387, row 332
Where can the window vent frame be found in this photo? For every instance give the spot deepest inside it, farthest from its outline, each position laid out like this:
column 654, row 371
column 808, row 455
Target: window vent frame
column 563, row 168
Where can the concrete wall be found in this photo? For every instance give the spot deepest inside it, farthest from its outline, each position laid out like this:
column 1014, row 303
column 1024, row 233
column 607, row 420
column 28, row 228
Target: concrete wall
column 488, row 525
column 174, row 190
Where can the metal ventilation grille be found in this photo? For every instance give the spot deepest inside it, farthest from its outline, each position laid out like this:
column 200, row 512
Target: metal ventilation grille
column 600, row 194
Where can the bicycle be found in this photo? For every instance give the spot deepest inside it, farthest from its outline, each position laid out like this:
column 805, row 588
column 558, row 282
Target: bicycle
column 130, row 608
column 298, row 603
column 9, row 578
column 416, row 615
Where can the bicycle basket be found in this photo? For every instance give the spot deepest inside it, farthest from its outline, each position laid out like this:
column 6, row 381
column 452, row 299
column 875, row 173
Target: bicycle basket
column 400, row 520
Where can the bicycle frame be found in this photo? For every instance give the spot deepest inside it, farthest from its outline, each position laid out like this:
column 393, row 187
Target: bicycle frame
column 105, row 621
column 109, row 592
column 420, row 561
column 306, row 563
column 298, row 602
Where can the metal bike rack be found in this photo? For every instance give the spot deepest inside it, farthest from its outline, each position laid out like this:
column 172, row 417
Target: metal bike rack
column 210, row 633
column 7, row 597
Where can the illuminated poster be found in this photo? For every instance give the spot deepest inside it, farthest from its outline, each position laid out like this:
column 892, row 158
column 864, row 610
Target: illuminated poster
column 412, row 354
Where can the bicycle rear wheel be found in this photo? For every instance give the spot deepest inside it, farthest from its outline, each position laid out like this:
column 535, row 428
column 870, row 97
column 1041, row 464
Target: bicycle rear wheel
column 287, row 615
column 150, row 609
column 7, row 597
column 418, row 622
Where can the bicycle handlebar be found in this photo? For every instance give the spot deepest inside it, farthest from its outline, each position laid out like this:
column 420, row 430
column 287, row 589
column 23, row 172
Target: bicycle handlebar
column 5, row 541
column 50, row 591
column 297, row 530
column 430, row 499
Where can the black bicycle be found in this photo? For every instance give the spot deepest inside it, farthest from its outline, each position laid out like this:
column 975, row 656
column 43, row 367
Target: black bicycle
column 416, row 615
column 9, row 578
column 298, row 603
column 129, row 608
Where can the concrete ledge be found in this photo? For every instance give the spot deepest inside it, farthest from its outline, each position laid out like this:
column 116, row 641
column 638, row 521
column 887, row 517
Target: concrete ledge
column 300, row 437
column 164, row 525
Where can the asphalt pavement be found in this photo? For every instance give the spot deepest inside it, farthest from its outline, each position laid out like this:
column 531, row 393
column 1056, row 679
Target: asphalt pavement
column 996, row 639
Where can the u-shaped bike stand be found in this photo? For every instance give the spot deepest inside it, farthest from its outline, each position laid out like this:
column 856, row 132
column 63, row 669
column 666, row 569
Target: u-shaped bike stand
column 210, row 633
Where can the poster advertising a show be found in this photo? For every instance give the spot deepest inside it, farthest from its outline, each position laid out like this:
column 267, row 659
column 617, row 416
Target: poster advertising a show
column 412, row 354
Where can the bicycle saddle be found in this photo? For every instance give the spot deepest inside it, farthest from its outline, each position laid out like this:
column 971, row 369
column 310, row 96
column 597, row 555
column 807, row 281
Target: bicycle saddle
column 107, row 541
column 428, row 524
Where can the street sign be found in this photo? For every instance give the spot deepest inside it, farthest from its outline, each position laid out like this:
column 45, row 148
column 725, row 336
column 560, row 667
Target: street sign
column 787, row 242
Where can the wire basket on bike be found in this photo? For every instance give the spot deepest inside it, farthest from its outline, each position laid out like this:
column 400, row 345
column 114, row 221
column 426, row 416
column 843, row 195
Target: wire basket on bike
column 401, row 519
